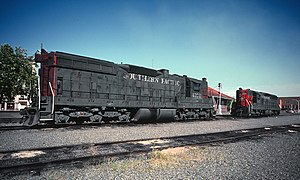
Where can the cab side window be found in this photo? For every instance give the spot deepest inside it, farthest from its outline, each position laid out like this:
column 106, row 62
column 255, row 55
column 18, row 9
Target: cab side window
column 59, row 85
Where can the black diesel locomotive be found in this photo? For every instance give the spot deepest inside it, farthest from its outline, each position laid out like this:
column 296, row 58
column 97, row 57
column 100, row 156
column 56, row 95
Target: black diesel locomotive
column 77, row 89
column 253, row 103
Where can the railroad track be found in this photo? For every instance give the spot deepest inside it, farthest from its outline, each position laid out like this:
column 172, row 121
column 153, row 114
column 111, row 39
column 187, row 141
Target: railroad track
column 17, row 126
column 32, row 159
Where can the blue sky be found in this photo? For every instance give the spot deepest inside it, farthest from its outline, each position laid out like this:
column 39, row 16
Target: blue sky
column 240, row 43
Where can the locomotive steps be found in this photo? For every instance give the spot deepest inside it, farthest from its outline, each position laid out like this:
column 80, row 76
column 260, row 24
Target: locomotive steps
column 35, row 159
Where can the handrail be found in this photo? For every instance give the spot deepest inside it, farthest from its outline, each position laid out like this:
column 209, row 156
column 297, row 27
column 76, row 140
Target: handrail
column 39, row 91
column 52, row 111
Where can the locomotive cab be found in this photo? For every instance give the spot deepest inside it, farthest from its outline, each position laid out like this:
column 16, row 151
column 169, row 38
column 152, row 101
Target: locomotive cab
column 243, row 102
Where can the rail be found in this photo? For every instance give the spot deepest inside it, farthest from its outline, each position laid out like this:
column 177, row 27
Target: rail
column 52, row 92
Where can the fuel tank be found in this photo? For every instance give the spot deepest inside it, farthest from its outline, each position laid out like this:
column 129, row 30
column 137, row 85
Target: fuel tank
column 154, row 115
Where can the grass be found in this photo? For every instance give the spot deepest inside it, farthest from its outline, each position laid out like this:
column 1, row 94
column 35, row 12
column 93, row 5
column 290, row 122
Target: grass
column 160, row 159
column 155, row 160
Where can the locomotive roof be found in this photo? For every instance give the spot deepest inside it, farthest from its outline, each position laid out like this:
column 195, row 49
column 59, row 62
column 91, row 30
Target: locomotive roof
column 195, row 80
column 141, row 70
column 128, row 67
column 264, row 94
column 74, row 56
column 267, row 94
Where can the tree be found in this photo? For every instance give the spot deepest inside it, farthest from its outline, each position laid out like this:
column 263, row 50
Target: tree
column 17, row 73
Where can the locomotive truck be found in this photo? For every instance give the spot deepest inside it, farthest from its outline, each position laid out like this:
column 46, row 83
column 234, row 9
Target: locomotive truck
column 78, row 89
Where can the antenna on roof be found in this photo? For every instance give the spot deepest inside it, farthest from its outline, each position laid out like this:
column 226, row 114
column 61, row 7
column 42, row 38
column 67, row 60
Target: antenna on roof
column 41, row 46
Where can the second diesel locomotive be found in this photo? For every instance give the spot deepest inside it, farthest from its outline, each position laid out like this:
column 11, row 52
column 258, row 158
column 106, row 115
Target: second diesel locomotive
column 254, row 103
column 77, row 89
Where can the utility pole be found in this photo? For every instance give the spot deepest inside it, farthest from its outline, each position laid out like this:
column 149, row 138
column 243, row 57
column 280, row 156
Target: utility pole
column 220, row 99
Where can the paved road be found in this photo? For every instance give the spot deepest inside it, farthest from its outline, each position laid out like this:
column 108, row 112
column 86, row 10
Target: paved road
column 36, row 138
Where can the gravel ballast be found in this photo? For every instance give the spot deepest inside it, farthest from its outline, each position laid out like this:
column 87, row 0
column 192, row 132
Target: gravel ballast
column 49, row 137
column 273, row 156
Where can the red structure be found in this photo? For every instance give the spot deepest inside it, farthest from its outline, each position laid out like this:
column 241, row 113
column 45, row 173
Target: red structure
column 244, row 99
column 289, row 103
column 226, row 101
column 213, row 92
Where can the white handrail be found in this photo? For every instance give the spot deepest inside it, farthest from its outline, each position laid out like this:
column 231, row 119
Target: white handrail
column 52, row 111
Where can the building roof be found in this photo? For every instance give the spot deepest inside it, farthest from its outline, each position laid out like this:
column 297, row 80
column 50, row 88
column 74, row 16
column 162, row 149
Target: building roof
column 296, row 97
column 213, row 92
column 289, row 100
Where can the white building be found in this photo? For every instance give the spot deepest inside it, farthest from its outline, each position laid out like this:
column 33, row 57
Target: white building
column 20, row 102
